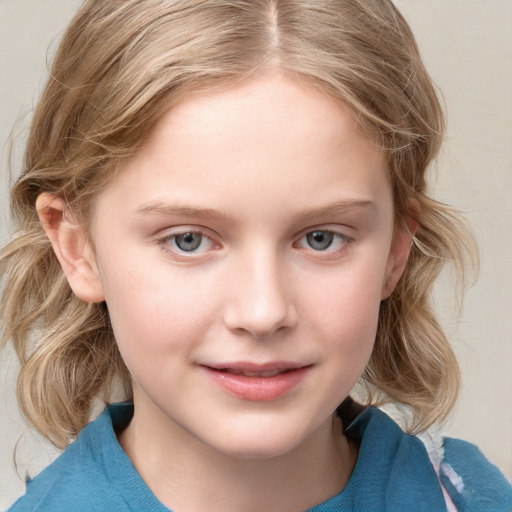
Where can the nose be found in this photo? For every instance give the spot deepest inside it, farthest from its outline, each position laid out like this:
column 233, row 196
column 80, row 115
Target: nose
column 261, row 298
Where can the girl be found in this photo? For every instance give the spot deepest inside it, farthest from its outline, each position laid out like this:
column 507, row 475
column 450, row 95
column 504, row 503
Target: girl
column 223, row 213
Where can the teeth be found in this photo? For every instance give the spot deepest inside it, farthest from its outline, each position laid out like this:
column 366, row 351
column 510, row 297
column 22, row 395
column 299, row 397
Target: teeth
column 269, row 373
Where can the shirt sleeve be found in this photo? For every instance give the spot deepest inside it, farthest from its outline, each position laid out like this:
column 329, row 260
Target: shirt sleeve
column 472, row 482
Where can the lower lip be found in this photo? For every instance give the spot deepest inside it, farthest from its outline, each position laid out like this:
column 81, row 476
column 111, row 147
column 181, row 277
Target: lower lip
column 262, row 389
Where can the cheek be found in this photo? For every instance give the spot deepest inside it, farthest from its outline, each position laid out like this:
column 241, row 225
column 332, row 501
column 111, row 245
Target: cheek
column 345, row 325
column 345, row 310
column 154, row 312
column 351, row 329
column 350, row 293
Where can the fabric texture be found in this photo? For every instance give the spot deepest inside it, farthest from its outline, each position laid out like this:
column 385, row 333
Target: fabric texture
column 393, row 473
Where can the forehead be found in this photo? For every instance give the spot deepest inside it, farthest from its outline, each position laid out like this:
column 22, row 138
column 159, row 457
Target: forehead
column 272, row 139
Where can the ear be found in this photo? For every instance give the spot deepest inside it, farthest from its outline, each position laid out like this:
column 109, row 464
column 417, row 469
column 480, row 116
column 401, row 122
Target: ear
column 71, row 247
column 400, row 249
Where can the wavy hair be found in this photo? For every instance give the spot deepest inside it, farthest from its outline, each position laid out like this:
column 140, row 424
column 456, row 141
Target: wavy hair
column 121, row 64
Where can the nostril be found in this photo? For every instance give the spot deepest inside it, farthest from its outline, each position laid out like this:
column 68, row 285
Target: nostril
column 253, row 323
column 261, row 301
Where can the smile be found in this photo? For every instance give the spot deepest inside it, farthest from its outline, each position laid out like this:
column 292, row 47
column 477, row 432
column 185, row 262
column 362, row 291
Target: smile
column 247, row 373
column 257, row 382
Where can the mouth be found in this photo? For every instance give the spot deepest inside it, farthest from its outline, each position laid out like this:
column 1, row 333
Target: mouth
column 248, row 373
column 249, row 369
column 256, row 382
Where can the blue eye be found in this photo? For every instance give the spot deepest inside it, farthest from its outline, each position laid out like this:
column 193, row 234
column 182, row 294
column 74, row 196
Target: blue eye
column 323, row 240
column 320, row 240
column 188, row 242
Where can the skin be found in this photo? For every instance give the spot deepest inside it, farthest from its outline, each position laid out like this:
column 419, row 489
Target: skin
column 253, row 171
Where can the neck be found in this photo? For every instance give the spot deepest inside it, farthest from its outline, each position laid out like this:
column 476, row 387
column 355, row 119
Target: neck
column 189, row 476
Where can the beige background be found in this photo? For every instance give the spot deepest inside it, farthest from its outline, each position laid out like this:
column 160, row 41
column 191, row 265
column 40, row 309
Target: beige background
column 467, row 45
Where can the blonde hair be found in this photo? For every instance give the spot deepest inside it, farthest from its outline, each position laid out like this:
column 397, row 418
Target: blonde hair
column 120, row 66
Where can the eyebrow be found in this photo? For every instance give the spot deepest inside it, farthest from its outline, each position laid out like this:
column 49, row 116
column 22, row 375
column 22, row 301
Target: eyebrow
column 162, row 208
column 337, row 208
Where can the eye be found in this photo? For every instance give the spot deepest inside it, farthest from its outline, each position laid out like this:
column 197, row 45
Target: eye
column 320, row 240
column 188, row 242
column 323, row 240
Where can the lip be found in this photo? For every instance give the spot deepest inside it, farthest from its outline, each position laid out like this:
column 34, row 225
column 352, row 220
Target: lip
column 257, row 382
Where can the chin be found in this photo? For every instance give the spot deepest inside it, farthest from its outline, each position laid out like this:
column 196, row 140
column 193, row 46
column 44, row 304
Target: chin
column 258, row 445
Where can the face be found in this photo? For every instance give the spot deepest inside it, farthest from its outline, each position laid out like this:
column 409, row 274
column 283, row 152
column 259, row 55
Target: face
column 243, row 254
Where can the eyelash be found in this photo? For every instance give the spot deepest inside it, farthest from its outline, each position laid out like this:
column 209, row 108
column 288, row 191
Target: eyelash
column 169, row 244
column 334, row 237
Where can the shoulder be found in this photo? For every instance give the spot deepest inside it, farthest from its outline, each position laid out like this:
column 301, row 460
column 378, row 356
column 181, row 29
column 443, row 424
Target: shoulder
column 393, row 471
column 62, row 485
column 427, row 472
column 470, row 481
column 79, row 478
column 473, row 483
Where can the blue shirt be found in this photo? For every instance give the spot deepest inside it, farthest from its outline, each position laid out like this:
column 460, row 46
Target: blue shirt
column 393, row 473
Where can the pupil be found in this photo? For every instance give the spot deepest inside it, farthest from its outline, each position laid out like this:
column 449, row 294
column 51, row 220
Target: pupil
column 188, row 241
column 320, row 240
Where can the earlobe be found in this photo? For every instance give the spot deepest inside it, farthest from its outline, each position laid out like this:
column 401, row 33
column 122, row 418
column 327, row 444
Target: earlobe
column 399, row 251
column 71, row 247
